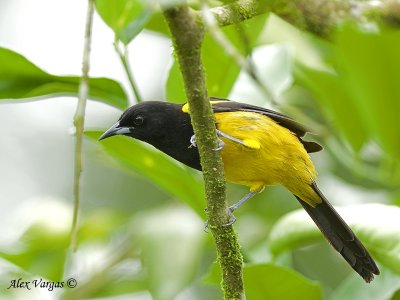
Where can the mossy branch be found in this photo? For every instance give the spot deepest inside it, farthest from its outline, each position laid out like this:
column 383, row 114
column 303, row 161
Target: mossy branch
column 187, row 34
column 319, row 17
column 238, row 11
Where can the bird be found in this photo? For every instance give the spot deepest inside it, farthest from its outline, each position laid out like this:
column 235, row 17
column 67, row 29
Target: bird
column 259, row 148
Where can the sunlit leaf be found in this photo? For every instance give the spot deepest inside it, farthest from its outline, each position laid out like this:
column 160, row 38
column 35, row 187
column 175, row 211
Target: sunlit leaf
column 269, row 281
column 21, row 79
column 125, row 17
column 376, row 225
column 127, row 34
column 156, row 166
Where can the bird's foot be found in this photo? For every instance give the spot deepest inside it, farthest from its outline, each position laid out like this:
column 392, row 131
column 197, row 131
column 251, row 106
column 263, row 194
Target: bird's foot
column 206, row 227
column 221, row 144
column 193, row 141
column 232, row 218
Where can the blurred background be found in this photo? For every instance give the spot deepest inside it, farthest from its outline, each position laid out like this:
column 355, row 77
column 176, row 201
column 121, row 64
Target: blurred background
column 141, row 223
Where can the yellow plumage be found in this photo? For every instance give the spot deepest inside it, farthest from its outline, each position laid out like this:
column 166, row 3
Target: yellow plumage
column 261, row 148
column 271, row 155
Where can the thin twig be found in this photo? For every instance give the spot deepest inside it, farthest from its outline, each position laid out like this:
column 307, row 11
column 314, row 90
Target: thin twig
column 123, row 56
column 244, row 63
column 79, row 120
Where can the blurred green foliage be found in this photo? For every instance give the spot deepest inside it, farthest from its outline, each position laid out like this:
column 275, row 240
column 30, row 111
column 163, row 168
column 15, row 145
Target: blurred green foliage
column 222, row 76
column 153, row 245
column 125, row 17
column 21, row 79
column 157, row 167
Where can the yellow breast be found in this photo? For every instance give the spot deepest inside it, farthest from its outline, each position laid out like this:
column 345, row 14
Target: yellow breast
column 272, row 154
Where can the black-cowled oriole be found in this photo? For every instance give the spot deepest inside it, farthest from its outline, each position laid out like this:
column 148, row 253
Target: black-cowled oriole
column 259, row 147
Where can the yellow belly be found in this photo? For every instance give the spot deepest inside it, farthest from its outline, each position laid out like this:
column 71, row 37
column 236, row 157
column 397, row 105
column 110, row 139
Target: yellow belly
column 276, row 155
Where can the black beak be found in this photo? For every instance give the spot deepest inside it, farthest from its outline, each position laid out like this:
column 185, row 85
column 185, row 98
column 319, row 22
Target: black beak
column 115, row 130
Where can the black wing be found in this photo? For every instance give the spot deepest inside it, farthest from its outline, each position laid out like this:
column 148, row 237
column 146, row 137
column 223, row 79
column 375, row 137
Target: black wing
column 224, row 105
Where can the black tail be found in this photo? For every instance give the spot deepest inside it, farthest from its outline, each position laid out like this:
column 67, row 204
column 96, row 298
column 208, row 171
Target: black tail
column 341, row 237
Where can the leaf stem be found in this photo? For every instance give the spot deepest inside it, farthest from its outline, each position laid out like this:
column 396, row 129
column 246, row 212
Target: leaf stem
column 123, row 56
column 79, row 121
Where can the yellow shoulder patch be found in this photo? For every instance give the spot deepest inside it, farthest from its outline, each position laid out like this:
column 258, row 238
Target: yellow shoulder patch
column 185, row 108
column 252, row 144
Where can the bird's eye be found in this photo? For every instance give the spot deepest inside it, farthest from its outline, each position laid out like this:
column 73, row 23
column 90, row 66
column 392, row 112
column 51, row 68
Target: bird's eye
column 138, row 121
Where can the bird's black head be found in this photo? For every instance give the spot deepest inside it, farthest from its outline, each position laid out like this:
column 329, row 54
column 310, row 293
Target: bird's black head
column 161, row 124
column 146, row 121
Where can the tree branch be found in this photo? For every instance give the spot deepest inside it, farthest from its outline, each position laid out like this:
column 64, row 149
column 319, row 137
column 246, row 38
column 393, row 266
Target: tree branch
column 319, row 17
column 316, row 16
column 238, row 11
column 187, row 35
column 79, row 120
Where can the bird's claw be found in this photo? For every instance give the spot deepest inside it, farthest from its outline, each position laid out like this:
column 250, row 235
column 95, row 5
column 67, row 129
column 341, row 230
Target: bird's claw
column 232, row 219
column 221, row 145
column 193, row 140
column 206, row 227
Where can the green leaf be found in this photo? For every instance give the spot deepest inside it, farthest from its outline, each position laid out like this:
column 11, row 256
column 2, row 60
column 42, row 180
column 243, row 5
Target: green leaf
column 171, row 176
column 332, row 94
column 127, row 34
column 21, row 79
column 158, row 24
column 125, row 17
column 175, row 88
column 375, row 224
column 371, row 69
column 361, row 93
column 383, row 287
column 274, row 282
column 43, row 252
